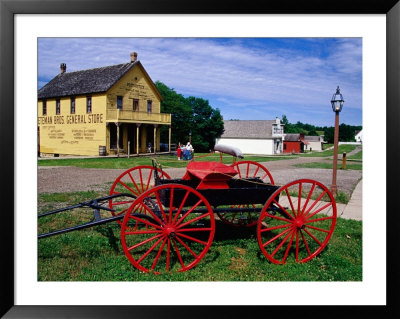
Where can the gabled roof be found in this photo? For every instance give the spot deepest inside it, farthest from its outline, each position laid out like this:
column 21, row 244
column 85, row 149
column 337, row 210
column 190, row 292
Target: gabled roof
column 295, row 137
column 292, row 137
column 313, row 138
column 89, row 81
column 248, row 129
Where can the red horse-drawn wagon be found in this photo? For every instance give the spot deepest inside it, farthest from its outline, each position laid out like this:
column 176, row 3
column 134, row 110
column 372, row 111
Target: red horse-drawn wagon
column 169, row 224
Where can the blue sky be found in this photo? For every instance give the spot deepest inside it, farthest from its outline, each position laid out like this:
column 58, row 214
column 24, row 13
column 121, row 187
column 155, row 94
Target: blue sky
column 246, row 78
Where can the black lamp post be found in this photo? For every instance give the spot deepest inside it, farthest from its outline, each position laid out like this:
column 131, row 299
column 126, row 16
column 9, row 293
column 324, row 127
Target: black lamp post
column 190, row 136
column 337, row 105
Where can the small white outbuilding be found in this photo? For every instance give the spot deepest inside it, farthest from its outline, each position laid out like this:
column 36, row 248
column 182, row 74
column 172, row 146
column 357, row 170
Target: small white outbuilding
column 359, row 136
column 263, row 137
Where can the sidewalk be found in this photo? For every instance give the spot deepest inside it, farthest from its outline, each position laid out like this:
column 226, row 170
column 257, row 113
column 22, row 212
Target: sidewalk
column 353, row 210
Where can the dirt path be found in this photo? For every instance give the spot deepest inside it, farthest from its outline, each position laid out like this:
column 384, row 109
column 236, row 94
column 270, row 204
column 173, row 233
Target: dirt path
column 68, row 179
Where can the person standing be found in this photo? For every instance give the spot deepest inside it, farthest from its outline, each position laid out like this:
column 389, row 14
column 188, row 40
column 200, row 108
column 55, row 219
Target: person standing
column 179, row 151
column 190, row 150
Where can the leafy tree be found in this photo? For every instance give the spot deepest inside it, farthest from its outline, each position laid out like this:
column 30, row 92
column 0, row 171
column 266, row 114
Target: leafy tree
column 180, row 111
column 329, row 133
column 207, row 124
column 346, row 132
column 313, row 132
column 192, row 114
column 288, row 128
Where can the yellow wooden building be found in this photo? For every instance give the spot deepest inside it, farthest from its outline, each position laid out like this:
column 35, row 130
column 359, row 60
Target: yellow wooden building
column 101, row 111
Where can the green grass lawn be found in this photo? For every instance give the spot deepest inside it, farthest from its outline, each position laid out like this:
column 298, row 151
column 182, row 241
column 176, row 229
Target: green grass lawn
column 171, row 161
column 329, row 165
column 357, row 156
column 165, row 160
column 95, row 254
column 341, row 149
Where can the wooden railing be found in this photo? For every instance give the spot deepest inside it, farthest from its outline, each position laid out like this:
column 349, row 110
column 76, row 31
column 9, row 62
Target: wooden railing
column 115, row 115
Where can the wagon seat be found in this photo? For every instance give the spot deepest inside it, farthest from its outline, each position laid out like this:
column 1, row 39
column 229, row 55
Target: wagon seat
column 212, row 175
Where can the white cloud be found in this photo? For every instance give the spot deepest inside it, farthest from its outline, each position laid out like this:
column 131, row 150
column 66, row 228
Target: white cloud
column 296, row 73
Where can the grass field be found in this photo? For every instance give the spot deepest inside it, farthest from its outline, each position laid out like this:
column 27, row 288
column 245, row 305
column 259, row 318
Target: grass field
column 329, row 165
column 171, row 161
column 357, row 156
column 354, row 161
column 95, row 254
column 165, row 160
column 341, row 149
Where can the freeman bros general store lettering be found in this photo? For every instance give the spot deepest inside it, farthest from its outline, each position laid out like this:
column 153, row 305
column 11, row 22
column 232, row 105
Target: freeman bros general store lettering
column 71, row 119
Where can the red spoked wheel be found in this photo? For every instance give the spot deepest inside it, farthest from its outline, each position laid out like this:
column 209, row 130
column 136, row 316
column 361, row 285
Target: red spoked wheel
column 297, row 220
column 134, row 181
column 259, row 174
column 250, row 169
column 174, row 234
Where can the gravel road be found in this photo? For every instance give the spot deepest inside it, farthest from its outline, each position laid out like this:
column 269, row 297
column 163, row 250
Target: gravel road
column 67, row 179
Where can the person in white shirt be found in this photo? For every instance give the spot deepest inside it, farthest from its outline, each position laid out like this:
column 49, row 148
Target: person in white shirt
column 190, row 150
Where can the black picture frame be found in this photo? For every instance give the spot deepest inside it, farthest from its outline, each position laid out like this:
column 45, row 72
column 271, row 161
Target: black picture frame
column 8, row 10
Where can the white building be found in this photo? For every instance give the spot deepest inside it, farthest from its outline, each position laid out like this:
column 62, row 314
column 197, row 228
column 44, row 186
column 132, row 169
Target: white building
column 314, row 143
column 262, row 137
column 359, row 136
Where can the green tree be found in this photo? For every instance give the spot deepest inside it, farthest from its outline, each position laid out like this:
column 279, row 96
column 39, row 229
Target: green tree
column 190, row 115
column 284, row 120
column 180, row 111
column 207, row 124
column 288, row 128
column 346, row 133
column 313, row 132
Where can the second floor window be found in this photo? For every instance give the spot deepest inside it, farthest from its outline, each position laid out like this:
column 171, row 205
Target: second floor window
column 44, row 109
column 58, row 107
column 72, row 105
column 277, row 130
column 149, row 106
column 119, row 102
column 89, row 104
column 135, row 105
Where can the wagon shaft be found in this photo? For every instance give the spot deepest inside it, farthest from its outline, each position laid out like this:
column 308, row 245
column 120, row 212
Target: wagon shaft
column 96, row 205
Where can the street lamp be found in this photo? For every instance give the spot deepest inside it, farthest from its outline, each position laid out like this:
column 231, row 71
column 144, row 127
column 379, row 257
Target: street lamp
column 337, row 105
column 190, row 136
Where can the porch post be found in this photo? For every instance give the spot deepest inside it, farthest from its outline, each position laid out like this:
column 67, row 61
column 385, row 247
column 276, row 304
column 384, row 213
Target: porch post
column 169, row 139
column 117, row 124
column 155, row 138
column 137, row 138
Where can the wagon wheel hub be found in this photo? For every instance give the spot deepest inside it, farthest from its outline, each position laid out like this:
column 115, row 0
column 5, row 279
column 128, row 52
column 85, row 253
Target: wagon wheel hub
column 299, row 222
column 169, row 231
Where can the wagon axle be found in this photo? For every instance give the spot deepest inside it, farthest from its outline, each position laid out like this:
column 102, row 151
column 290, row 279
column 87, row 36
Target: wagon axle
column 170, row 231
